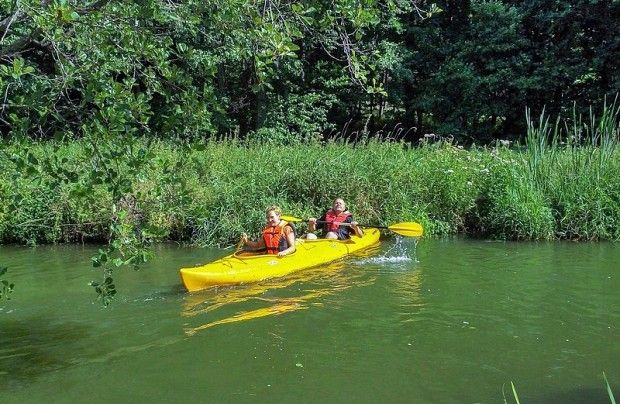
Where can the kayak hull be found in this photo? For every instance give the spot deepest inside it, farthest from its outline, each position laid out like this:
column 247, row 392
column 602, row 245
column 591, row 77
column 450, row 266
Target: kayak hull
column 241, row 267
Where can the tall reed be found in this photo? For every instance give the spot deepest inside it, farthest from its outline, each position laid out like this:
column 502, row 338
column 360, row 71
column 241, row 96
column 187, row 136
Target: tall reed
column 561, row 184
column 574, row 168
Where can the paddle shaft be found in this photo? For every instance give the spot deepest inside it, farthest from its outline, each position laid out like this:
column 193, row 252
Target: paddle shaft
column 410, row 229
column 404, row 229
column 407, row 229
column 349, row 224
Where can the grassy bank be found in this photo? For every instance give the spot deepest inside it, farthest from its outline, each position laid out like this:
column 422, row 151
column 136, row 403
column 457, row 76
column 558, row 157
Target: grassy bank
column 555, row 187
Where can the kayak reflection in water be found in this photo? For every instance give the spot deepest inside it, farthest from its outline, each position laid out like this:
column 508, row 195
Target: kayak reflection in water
column 337, row 222
column 227, row 305
column 278, row 235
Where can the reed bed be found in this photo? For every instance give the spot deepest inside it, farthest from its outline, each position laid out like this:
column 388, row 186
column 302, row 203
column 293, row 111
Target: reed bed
column 562, row 183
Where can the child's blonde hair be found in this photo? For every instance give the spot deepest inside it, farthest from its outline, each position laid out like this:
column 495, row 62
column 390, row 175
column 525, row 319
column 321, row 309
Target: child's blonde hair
column 275, row 209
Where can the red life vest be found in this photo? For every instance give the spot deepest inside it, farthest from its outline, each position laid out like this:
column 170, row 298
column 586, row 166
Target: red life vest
column 331, row 217
column 275, row 239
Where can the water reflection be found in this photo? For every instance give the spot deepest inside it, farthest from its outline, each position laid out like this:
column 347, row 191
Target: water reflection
column 30, row 348
column 579, row 394
column 407, row 288
column 216, row 306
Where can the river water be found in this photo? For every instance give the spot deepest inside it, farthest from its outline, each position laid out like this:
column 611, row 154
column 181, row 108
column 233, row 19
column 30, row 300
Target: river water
column 444, row 321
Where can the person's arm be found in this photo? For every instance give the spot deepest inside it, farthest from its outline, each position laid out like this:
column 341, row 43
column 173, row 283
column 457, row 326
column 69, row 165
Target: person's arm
column 312, row 223
column 255, row 245
column 290, row 239
column 353, row 226
column 358, row 231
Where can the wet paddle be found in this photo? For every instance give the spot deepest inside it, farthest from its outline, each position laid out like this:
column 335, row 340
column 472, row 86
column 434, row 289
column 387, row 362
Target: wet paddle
column 407, row 229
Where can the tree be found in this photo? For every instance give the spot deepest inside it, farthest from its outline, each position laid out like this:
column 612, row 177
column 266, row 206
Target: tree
column 473, row 68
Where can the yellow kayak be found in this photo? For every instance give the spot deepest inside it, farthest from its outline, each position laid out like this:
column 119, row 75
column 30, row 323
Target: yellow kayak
column 242, row 267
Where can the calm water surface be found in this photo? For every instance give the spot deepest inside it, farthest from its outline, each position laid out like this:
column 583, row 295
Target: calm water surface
column 446, row 321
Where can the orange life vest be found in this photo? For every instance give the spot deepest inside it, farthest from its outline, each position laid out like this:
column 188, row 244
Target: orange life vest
column 275, row 238
column 331, row 217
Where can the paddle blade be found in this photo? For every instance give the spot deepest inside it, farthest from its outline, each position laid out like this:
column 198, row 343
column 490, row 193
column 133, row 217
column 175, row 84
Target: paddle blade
column 407, row 229
column 291, row 218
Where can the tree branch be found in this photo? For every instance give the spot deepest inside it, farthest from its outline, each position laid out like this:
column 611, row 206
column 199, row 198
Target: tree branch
column 6, row 23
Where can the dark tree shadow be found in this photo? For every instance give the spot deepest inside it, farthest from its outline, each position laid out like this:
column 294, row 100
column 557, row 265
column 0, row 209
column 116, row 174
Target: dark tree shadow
column 576, row 395
column 31, row 348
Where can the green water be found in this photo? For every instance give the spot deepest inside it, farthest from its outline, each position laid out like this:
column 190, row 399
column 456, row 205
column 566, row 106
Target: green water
column 457, row 323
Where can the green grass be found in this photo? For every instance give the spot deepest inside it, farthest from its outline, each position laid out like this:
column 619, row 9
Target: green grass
column 561, row 184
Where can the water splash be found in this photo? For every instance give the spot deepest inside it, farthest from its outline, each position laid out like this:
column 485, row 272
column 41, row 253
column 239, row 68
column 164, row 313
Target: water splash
column 400, row 252
column 385, row 260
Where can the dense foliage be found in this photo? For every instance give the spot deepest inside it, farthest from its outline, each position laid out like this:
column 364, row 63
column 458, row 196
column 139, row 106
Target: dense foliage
column 473, row 68
column 279, row 68
column 559, row 185
column 194, row 68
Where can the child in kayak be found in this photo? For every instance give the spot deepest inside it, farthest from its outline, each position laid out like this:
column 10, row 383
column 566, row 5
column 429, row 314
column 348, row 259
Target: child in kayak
column 278, row 235
column 337, row 222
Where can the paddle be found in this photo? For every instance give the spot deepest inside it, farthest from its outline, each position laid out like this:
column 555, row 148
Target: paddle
column 407, row 229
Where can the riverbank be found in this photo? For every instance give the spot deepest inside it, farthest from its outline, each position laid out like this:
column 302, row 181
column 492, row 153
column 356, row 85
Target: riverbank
column 208, row 193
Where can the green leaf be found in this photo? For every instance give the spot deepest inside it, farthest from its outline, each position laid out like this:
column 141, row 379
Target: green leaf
column 32, row 159
column 18, row 64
